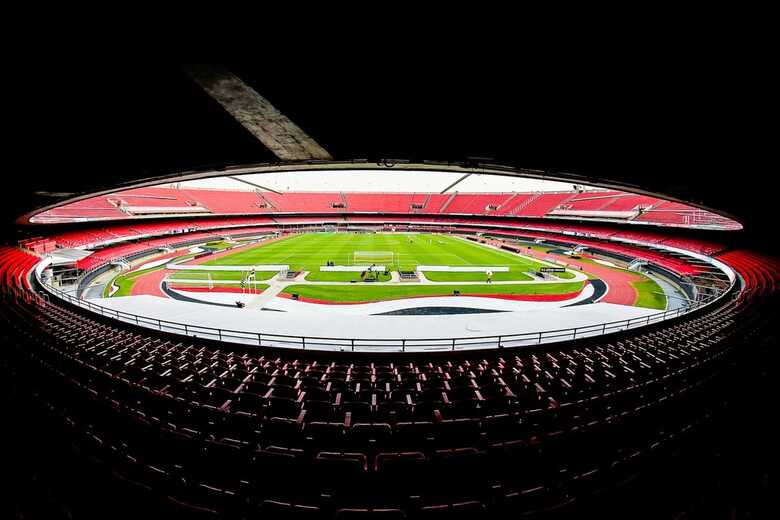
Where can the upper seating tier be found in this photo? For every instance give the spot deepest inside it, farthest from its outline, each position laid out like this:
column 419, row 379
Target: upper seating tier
column 593, row 204
column 477, row 203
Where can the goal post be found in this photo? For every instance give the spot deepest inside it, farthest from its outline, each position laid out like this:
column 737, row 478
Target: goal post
column 386, row 258
column 249, row 282
column 193, row 279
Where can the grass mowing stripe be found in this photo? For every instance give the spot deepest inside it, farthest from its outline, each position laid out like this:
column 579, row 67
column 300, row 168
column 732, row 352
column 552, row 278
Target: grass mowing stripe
column 475, row 254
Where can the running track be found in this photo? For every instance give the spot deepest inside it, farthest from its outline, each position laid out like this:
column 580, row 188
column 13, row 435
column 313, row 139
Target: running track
column 619, row 288
column 150, row 283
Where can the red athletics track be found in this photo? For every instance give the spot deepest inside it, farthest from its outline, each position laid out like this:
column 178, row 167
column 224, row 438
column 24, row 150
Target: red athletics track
column 150, row 283
column 619, row 288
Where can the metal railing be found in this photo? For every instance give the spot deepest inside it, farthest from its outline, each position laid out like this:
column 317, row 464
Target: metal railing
column 353, row 344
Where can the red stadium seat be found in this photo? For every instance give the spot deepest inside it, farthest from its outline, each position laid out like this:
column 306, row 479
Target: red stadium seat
column 162, row 201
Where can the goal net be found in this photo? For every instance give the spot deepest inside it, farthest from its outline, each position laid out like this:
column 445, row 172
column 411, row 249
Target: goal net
column 386, row 258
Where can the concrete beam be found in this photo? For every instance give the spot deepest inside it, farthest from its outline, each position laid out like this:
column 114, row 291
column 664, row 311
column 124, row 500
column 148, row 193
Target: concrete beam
column 255, row 113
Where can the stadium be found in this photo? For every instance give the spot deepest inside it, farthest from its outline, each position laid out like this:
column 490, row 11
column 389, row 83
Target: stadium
column 310, row 337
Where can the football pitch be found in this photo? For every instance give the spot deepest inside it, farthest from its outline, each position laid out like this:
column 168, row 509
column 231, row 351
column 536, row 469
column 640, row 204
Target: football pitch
column 308, row 252
column 398, row 252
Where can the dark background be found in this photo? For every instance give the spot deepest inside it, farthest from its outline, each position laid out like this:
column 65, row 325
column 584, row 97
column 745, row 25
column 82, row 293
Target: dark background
column 687, row 124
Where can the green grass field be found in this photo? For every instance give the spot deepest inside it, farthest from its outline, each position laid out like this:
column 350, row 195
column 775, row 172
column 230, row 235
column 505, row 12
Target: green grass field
column 125, row 286
column 650, row 294
column 309, row 252
column 359, row 293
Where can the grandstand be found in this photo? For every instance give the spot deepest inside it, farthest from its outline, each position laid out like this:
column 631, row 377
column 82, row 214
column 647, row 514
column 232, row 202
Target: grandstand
column 476, row 203
column 594, row 204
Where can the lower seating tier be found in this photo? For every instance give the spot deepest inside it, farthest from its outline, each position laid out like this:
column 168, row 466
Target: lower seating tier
column 237, row 432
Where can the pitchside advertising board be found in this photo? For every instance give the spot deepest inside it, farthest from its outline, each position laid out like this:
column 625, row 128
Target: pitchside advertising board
column 552, row 269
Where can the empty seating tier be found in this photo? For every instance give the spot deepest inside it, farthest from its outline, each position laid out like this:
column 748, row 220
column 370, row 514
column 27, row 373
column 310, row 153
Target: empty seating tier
column 598, row 204
column 216, row 431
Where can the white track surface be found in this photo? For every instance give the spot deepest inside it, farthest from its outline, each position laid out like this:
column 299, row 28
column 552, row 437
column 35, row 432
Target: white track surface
column 319, row 322
column 367, row 309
